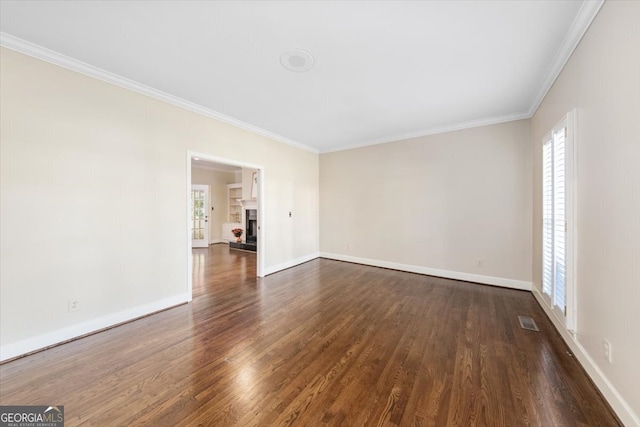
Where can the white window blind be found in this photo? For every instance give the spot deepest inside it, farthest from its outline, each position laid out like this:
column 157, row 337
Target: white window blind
column 554, row 218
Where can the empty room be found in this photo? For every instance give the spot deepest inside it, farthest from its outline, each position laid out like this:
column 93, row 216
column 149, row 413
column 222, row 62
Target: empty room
column 344, row 213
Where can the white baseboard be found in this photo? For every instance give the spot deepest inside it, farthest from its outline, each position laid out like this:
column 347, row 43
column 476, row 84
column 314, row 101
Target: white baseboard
column 617, row 402
column 290, row 263
column 58, row 336
column 214, row 241
column 467, row 277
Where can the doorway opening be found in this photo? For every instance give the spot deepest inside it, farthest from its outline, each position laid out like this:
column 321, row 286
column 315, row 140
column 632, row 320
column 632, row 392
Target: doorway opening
column 249, row 199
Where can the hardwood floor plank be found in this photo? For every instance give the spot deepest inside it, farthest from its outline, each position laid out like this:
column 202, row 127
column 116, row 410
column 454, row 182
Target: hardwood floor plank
column 324, row 343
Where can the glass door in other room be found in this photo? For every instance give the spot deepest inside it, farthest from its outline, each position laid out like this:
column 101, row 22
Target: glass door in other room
column 199, row 216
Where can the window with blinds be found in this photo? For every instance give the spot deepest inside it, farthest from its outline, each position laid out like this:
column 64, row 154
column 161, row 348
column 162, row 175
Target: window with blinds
column 555, row 203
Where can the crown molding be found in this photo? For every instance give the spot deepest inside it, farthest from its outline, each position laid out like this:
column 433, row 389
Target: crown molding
column 579, row 27
column 44, row 54
column 434, row 131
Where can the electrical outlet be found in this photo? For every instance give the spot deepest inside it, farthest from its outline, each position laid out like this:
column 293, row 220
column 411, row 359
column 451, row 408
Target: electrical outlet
column 607, row 351
column 74, row 305
column 480, row 263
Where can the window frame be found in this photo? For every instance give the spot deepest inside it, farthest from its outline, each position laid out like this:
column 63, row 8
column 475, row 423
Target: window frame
column 567, row 314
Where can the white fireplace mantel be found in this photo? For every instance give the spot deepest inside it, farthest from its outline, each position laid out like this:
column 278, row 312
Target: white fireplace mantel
column 249, row 204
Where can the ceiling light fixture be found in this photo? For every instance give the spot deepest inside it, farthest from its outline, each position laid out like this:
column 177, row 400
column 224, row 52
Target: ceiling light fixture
column 297, row 60
column 196, row 158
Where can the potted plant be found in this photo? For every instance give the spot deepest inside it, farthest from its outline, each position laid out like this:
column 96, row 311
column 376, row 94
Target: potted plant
column 238, row 233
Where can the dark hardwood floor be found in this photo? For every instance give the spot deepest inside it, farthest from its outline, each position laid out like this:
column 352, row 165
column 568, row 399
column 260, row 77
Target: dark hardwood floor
column 324, row 343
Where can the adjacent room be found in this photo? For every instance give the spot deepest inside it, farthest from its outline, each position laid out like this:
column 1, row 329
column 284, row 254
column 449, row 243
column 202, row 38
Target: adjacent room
column 320, row 213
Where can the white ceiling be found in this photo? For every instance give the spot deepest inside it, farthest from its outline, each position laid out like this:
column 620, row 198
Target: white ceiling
column 384, row 70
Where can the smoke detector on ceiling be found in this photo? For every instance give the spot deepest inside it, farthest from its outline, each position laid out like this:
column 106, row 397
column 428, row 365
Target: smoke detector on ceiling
column 297, row 60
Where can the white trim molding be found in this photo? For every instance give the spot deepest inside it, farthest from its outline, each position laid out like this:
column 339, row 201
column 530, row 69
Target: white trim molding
column 579, row 27
column 59, row 336
column 613, row 397
column 448, row 274
column 44, row 54
column 434, row 131
column 291, row 263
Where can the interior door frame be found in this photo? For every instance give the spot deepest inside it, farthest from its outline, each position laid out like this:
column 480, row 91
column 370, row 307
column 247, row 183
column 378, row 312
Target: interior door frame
column 260, row 202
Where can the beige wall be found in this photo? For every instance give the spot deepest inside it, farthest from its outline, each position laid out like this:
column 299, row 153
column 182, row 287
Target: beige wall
column 93, row 204
column 602, row 81
column 439, row 202
column 217, row 182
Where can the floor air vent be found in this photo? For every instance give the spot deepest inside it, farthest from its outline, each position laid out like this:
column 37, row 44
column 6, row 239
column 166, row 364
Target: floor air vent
column 528, row 323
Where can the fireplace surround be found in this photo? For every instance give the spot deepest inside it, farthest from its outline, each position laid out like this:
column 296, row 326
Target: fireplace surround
column 250, row 242
column 251, row 231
